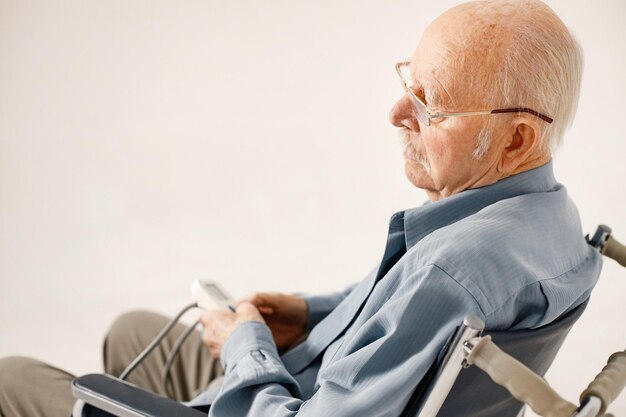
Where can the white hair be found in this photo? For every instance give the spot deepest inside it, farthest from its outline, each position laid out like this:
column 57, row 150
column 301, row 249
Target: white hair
column 541, row 69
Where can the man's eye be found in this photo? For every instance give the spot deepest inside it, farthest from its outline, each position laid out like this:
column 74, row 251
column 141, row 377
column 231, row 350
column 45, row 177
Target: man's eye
column 420, row 94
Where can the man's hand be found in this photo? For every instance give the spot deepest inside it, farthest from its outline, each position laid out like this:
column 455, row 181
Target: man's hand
column 286, row 315
column 219, row 324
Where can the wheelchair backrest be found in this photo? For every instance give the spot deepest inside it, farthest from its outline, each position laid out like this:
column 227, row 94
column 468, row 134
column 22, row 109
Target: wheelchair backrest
column 475, row 394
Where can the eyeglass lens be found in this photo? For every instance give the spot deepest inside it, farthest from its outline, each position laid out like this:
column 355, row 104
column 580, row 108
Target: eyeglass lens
column 418, row 107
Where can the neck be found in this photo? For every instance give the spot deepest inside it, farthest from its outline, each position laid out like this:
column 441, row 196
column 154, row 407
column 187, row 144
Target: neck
column 527, row 165
column 492, row 175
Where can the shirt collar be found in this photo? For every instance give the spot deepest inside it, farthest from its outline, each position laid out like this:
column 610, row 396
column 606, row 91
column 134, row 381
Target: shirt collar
column 421, row 221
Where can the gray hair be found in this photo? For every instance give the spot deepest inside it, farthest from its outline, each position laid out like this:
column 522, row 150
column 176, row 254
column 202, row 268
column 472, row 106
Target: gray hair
column 541, row 68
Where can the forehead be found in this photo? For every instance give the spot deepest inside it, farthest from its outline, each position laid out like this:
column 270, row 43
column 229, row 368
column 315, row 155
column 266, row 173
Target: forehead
column 458, row 55
column 447, row 63
column 432, row 73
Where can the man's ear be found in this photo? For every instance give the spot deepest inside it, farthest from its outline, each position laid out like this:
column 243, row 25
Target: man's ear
column 521, row 146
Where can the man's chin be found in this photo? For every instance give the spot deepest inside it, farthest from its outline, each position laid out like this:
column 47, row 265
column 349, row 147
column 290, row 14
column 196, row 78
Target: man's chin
column 417, row 175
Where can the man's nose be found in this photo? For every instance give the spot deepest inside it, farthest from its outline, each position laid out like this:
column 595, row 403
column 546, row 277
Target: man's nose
column 402, row 114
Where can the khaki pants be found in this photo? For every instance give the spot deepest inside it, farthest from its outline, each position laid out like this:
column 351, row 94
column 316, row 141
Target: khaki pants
column 30, row 388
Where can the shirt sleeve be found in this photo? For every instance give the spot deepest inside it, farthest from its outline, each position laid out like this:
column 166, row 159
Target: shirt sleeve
column 380, row 364
column 319, row 306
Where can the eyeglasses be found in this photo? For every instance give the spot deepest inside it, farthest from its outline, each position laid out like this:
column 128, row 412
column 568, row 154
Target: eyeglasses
column 425, row 116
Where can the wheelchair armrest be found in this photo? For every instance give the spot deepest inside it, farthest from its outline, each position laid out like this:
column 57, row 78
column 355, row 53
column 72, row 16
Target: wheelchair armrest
column 121, row 398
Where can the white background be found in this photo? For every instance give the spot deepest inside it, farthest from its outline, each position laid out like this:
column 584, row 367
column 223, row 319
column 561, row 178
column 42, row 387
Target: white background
column 144, row 144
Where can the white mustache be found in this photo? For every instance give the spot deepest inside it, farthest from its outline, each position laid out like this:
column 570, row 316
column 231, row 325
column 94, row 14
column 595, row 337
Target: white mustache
column 412, row 153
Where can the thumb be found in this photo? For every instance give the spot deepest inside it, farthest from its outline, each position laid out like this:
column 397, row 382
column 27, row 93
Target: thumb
column 263, row 301
column 256, row 299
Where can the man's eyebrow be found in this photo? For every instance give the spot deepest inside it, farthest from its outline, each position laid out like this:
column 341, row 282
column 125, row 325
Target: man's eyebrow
column 431, row 96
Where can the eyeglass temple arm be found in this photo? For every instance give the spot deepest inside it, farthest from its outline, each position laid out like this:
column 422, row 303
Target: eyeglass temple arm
column 524, row 110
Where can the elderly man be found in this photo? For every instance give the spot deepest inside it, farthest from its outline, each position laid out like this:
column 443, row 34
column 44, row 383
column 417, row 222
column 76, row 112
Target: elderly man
column 487, row 96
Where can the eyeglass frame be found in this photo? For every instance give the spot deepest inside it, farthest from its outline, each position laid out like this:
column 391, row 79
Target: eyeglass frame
column 429, row 116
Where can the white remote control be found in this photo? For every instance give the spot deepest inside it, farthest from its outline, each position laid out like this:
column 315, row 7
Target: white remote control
column 210, row 296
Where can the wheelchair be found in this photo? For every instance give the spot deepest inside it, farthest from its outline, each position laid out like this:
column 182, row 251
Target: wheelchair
column 478, row 374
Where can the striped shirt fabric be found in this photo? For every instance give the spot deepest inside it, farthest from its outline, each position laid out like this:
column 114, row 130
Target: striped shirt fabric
column 511, row 253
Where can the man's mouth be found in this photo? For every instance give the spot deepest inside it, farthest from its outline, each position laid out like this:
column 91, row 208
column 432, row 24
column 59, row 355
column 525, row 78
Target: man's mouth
column 410, row 153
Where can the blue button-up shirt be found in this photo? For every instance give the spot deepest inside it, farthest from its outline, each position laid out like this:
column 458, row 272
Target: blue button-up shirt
column 511, row 253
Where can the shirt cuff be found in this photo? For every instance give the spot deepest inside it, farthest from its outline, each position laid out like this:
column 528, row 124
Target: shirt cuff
column 248, row 337
column 319, row 306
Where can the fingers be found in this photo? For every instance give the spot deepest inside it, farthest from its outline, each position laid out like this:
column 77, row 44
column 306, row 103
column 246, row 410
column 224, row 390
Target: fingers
column 258, row 298
column 267, row 311
column 214, row 348
column 264, row 302
column 219, row 324
column 210, row 317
